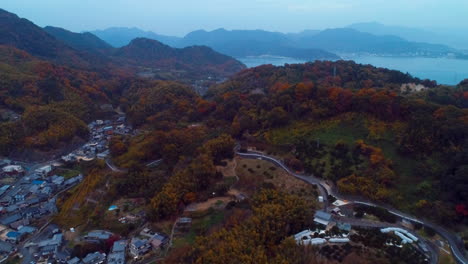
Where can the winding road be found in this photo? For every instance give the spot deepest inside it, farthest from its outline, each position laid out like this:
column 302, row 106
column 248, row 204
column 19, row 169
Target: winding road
column 325, row 189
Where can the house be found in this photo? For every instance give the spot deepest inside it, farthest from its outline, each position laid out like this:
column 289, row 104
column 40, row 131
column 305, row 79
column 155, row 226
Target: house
column 50, row 250
column 49, row 247
column 117, row 254
column 6, row 247
column 184, row 223
column 14, row 236
column 3, row 189
column 19, row 197
column 94, row 258
column 43, row 171
column 47, row 190
column 7, row 220
column 39, row 183
column 27, row 230
column 307, row 237
column 158, row 241
column 34, row 188
column 31, row 212
column 12, row 170
column 74, row 260
column 116, row 258
column 5, row 162
column 33, row 201
column 57, row 180
column 338, row 240
column 139, row 247
column 344, row 226
column 56, row 241
column 119, row 246
column 103, row 154
column 22, row 222
column 73, row 180
column 69, row 158
column 98, row 235
column 322, row 218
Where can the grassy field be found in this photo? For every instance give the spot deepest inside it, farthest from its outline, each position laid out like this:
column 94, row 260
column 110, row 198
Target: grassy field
column 347, row 129
column 67, row 173
column 200, row 226
column 255, row 174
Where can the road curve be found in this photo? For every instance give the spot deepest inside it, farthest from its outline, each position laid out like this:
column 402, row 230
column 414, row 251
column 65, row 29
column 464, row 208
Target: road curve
column 326, row 189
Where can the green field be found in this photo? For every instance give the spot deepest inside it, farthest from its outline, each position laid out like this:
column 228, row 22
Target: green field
column 348, row 129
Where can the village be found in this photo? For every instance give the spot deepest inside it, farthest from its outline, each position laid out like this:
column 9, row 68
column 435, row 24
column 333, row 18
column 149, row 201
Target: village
column 28, row 196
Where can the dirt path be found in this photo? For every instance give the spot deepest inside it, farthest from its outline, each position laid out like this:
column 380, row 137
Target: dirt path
column 213, row 202
column 230, row 169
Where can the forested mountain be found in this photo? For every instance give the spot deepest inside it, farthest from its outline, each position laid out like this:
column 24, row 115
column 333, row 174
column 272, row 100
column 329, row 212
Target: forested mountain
column 122, row 36
column 87, row 52
column 197, row 60
column 80, row 41
column 346, row 74
column 54, row 101
column 23, row 34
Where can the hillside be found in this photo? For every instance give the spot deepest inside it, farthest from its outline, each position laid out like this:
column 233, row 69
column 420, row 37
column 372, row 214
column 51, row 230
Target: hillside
column 191, row 61
column 25, row 35
column 348, row 75
column 80, row 41
column 141, row 58
column 326, row 122
column 54, row 102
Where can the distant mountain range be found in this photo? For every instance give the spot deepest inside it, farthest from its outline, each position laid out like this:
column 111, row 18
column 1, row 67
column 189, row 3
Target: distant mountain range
column 457, row 39
column 235, row 43
column 86, row 51
column 308, row 45
column 352, row 41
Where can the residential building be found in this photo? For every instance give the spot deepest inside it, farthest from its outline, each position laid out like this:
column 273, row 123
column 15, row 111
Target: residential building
column 43, row 171
column 98, row 235
column 94, row 258
column 139, row 247
column 322, row 218
column 117, row 254
column 74, row 260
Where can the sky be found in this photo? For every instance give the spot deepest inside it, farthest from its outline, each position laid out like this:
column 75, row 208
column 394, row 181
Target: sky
column 178, row 17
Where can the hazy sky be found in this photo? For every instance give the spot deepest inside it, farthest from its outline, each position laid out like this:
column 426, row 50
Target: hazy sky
column 178, row 17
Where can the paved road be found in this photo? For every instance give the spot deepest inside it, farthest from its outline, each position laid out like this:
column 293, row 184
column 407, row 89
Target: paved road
column 325, row 189
column 114, row 168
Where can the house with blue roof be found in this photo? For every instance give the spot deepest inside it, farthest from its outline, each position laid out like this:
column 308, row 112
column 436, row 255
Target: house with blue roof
column 14, row 236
